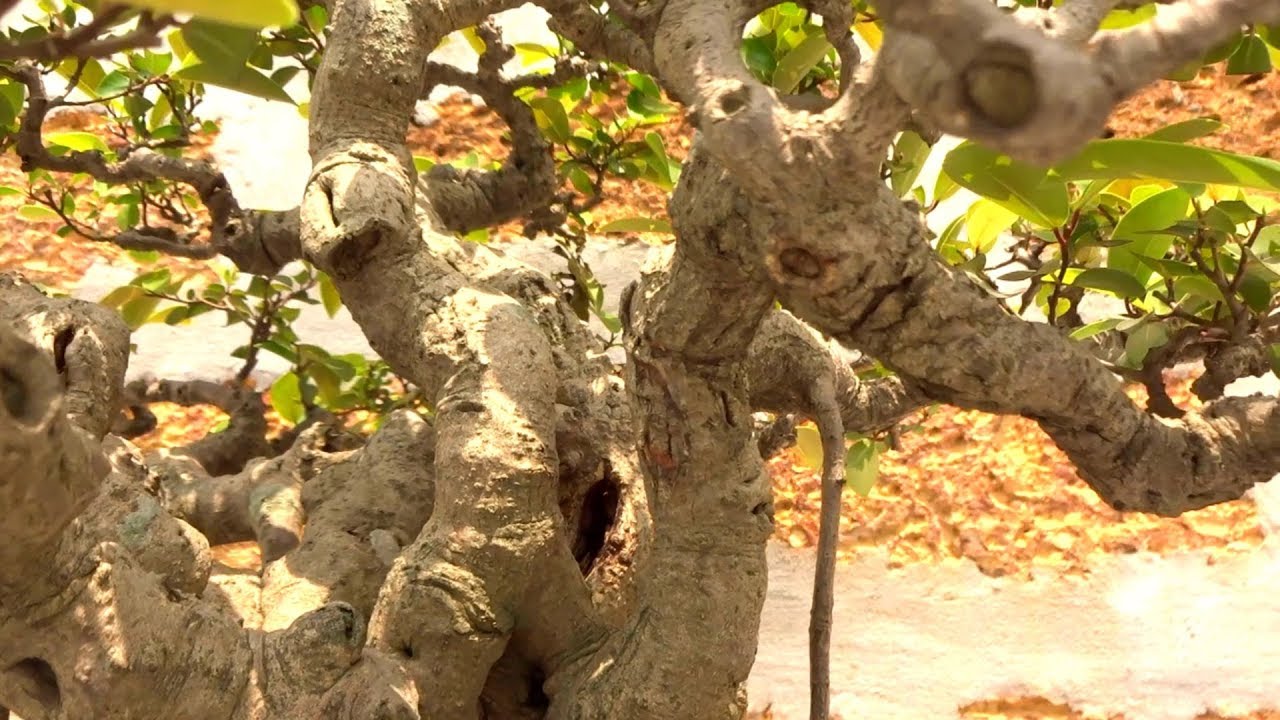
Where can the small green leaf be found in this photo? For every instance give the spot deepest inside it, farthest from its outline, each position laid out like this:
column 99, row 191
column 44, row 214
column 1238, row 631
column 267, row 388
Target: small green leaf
column 1030, row 192
column 153, row 281
column 984, row 221
column 80, row 141
column 1171, row 162
column 1142, row 340
column 244, row 79
column 121, row 295
column 1250, row 58
column 810, row 443
column 249, row 13
column 1186, row 130
column 37, row 212
column 1157, row 212
column 138, row 311
column 862, row 466
column 222, row 46
column 799, row 61
column 329, row 295
column 1109, row 280
column 910, row 153
column 636, row 224
column 1275, row 359
column 552, row 118
column 286, row 398
column 114, row 83
column 1120, row 19
column 1098, row 326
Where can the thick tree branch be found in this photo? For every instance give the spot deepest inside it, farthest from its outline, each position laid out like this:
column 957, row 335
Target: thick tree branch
column 221, row 453
column 880, row 289
column 710, row 494
column 50, row 468
column 468, row 199
column 87, row 343
column 980, row 73
column 787, row 358
column 467, row 589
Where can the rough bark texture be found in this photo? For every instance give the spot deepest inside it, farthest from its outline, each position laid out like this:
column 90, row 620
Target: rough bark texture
column 562, row 540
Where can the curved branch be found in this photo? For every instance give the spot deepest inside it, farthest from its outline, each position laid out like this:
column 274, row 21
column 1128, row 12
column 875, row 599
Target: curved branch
column 787, row 359
column 1028, row 88
column 220, row 453
column 257, row 241
column 468, row 199
column 262, row 501
column 880, row 288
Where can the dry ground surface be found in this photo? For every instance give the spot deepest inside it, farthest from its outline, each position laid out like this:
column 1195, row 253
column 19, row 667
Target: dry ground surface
column 962, row 483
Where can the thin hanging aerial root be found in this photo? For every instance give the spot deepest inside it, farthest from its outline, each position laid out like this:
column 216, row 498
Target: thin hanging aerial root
column 831, row 431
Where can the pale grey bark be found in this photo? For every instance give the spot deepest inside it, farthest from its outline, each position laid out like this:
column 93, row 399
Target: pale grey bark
column 559, row 541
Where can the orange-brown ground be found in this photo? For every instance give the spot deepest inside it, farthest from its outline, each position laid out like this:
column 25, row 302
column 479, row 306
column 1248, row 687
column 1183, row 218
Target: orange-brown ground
column 966, row 484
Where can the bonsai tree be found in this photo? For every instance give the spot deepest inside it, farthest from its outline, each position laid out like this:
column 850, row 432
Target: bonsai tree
column 523, row 529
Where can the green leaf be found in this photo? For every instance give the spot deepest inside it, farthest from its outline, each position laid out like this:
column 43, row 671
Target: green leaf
column 473, row 39
column 221, row 46
column 1168, row 268
column 1250, row 58
column 1172, row 162
column 551, row 118
column 80, row 141
column 862, row 466
column 758, row 57
column 1186, row 130
column 329, row 295
column 114, row 83
column 984, row 221
column 37, row 212
column 286, row 398
column 910, row 153
column 1158, row 212
column 249, row 13
column 244, row 79
column 137, row 311
column 327, row 382
column 154, row 281
column 1275, row 359
column 809, row 441
column 1098, row 326
column 1142, row 340
column 646, row 104
column 1028, row 191
column 1119, row 19
column 636, row 224
column 121, row 295
column 799, row 61
column 1113, row 281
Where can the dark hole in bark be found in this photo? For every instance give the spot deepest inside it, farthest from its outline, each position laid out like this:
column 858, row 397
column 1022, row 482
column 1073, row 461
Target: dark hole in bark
column 599, row 511
column 801, row 263
column 60, row 344
column 36, row 678
column 407, row 649
column 538, row 699
column 733, row 101
column 14, row 393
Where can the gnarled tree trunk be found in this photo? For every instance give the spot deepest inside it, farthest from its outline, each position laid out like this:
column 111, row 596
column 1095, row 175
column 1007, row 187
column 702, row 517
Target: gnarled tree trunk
column 563, row 540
